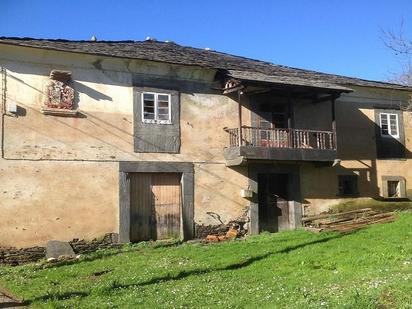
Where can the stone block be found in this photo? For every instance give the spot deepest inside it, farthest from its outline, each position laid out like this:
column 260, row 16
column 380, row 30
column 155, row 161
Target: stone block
column 56, row 248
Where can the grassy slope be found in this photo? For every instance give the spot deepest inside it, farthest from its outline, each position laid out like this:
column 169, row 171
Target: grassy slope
column 297, row 269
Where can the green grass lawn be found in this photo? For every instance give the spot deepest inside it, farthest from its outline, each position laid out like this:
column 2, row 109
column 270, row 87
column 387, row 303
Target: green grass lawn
column 369, row 268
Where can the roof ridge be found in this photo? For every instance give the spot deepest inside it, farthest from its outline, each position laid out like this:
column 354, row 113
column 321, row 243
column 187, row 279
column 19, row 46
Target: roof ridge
column 171, row 52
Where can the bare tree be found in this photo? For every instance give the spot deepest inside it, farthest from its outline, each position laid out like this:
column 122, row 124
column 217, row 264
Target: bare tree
column 401, row 46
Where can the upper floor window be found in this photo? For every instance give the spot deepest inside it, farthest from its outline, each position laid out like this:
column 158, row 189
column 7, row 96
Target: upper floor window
column 389, row 124
column 156, row 108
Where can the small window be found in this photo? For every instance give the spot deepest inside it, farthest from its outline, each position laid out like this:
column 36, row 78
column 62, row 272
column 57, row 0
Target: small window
column 156, row 108
column 389, row 125
column 348, row 184
column 394, row 188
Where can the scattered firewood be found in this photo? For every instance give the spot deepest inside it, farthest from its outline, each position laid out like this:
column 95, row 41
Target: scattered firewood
column 346, row 221
column 232, row 233
column 322, row 216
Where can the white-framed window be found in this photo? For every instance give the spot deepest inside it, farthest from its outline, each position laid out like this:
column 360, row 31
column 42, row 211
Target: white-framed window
column 394, row 188
column 389, row 124
column 156, row 108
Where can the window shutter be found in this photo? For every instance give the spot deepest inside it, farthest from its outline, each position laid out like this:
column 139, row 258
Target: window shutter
column 157, row 137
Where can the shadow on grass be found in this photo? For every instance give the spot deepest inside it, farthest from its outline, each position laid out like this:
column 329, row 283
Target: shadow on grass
column 97, row 255
column 186, row 273
column 11, row 304
column 56, row 296
column 247, row 262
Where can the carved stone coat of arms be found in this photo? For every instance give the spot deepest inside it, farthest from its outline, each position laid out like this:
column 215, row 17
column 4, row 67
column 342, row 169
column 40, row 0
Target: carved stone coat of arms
column 59, row 91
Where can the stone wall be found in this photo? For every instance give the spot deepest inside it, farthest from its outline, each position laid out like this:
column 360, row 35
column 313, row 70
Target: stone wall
column 240, row 225
column 15, row 256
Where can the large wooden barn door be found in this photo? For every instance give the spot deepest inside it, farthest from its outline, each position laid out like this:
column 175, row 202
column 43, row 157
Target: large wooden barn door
column 140, row 207
column 155, row 202
column 166, row 204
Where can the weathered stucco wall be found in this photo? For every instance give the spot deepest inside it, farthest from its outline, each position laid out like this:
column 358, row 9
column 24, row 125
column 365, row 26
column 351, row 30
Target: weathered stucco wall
column 357, row 150
column 59, row 175
column 43, row 200
column 61, row 159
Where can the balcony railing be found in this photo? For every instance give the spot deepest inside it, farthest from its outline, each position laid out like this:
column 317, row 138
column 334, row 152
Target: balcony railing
column 282, row 138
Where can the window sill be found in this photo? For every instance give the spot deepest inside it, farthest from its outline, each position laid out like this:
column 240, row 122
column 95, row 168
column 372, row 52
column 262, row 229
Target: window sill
column 60, row 112
column 157, row 122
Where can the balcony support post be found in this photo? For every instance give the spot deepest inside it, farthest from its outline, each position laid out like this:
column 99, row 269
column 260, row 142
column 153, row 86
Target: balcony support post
column 290, row 133
column 334, row 123
column 240, row 117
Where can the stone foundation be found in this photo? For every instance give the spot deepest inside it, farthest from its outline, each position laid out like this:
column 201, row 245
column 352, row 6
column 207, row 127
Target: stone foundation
column 15, row 256
column 202, row 231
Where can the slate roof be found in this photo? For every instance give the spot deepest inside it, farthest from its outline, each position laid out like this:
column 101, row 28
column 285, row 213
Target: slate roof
column 286, row 80
column 170, row 52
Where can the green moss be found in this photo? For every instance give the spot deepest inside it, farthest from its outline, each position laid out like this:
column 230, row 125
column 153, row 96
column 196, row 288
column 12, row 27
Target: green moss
column 366, row 269
column 377, row 205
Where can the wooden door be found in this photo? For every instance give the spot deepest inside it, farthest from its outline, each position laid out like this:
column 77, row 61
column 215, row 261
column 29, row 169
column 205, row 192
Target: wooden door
column 270, row 118
column 155, row 202
column 166, row 205
column 273, row 202
column 141, row 218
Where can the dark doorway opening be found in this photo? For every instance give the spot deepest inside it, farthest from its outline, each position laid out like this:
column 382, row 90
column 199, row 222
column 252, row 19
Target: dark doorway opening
column 273, row 194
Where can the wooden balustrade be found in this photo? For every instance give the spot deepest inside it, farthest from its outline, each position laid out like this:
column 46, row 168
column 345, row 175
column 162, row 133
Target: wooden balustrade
column 282, row 138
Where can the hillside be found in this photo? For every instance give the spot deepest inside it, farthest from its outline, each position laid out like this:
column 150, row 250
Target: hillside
column 368, row 268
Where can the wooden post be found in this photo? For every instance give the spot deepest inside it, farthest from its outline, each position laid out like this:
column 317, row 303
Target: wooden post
column 124, row 207
column 240, row 117
column 334, row 124
column 290, row 134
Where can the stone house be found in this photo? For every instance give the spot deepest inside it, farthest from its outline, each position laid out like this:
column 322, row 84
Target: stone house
column 154, row 140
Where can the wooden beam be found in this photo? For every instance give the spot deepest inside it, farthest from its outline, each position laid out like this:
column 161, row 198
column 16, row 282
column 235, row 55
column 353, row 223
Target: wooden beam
column 289, row 111
column 334, row 124
column 325, row 98
column 290, row 138
column 233, row 89
column 240, row 117
column 306, row 219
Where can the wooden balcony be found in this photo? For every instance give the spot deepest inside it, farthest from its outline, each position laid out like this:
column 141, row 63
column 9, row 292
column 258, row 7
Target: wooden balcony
column 280, row 144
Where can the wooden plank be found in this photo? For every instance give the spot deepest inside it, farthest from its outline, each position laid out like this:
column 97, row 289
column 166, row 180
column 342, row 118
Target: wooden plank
column 188, row 205
column 124, row 207
column 283, row 215
column 166, row 201
column 254, row 218
column 357, row 225
column 335, row 214
column 141, row 220
column 155, row 167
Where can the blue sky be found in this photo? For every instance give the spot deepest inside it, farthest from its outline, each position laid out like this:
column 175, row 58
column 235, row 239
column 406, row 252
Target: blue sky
column 334, row 36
